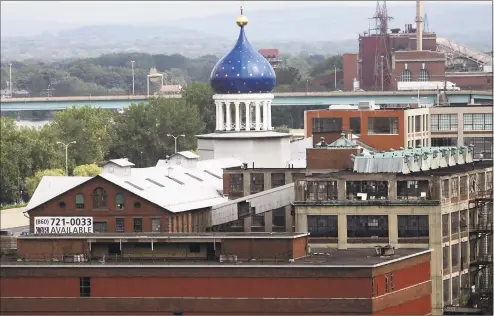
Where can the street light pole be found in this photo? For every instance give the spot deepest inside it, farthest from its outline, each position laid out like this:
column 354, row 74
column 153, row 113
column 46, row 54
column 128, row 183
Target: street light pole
column 10, row 79
column 334, row 78
column 175, row 138
column 66, row 156
column 132, row 61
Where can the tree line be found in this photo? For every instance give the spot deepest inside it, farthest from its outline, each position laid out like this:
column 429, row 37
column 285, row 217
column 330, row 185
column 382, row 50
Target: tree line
column 111, row 74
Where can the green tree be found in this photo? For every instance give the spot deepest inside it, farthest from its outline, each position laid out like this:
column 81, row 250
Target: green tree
column 200, row 95
column 282, row 129
column 87, row 170
column 140, row 133
column 33, row 182
column 90, row 127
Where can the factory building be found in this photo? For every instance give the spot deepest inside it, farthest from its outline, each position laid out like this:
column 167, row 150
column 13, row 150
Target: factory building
column 426, row 197
column 387, row 56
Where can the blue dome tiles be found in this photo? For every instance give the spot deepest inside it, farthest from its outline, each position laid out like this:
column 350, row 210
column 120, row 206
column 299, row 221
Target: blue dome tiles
column 243, row 70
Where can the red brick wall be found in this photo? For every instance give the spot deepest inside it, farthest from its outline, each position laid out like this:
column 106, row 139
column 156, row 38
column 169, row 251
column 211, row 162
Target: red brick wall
column 226, row 183
column 419, row 306
column 380, row 142
column 323, row 159
column 350, row 66
column 39, row 287
column 414, row 61
column 403, row 278
column 479, row 82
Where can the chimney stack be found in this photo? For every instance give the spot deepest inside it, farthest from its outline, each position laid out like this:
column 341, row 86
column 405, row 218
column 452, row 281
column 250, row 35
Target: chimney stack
column 418, row 20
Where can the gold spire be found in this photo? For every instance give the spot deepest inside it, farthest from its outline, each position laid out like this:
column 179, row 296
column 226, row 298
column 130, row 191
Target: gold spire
column 242, row 19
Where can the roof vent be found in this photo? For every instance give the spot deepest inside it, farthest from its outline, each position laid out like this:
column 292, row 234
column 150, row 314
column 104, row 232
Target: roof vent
column 387, row 250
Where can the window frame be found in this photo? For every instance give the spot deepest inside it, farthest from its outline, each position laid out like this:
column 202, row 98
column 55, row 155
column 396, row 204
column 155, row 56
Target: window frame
column 85, row 287
column 100, row 198
column 393, row 123
column 444, row 122
column 327, row 125
column 119, row 206
column 78, row 204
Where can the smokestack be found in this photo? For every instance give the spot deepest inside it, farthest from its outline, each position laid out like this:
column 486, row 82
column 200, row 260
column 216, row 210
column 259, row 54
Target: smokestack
column 418, row 20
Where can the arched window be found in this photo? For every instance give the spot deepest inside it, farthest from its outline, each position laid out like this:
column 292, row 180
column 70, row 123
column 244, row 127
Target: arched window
column 423, row 75
column 406, row 75
column 79, row 201
column 99, row 198
column 119, row 201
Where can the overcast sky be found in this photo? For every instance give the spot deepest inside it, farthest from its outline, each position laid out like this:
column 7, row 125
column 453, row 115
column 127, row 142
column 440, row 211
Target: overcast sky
column 103, row 12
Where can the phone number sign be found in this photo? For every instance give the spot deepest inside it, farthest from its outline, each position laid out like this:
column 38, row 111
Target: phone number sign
column 63, row 225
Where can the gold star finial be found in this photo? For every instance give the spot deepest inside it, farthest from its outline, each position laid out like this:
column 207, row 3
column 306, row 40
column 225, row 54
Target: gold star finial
column 242, row 19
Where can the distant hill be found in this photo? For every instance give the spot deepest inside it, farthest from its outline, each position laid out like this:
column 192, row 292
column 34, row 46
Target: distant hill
column 292, row 31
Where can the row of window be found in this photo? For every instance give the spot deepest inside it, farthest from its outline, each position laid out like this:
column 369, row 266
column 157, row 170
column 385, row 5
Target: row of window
column 459, row 256
column 256, row 182
column 421, row 123
column 482, row 146
column 471, row 122
column 406, row 75
column 375, row 125
column 100, row 200
column 360, row 226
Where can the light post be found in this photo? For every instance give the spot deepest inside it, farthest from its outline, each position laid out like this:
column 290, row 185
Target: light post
column 175, row 138
column 307, row 86
column 334, row 78
column 132, row 62
column 66, row 156
column 10, row 79
column 418, row 98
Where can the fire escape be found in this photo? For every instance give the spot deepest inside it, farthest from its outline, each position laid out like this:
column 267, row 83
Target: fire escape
column 480, row 269
column 382, row 65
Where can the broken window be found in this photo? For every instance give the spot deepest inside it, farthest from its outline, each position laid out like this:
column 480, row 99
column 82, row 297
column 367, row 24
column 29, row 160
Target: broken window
column 367, row 226
column 367, row 190
column 236, row 185
column 413, row 190
column 382, row 125
column 256, row 182
column 413, row 226
column 323, row 225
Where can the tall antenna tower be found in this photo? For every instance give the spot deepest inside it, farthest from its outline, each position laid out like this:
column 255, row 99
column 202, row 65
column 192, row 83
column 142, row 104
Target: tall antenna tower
column 382, row 67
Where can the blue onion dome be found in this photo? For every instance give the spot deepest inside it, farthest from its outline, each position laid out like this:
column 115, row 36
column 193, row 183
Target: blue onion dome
column 243, row 69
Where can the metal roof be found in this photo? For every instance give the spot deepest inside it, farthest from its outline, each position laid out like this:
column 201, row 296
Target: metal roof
column 122, row 162
column 187, row 154
column 412, row 160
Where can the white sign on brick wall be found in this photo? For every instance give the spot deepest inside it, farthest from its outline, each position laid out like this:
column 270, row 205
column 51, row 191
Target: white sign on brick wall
column 63, row 225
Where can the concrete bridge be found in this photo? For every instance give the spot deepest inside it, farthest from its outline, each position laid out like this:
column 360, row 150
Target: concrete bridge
column 281, row 99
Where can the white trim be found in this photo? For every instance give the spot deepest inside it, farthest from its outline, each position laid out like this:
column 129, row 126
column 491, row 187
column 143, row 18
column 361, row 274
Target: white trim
column 242, row 97
column 405, row 288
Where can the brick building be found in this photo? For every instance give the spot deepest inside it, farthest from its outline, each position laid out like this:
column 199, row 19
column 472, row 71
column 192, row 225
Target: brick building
column 209, row 275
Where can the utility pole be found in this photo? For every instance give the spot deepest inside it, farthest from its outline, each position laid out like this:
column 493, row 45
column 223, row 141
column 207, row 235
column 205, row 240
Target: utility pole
column 132, row 62
column 10, row 79
column 334, row 78
column 175, row 138
column 382, row 73
column 66, row 156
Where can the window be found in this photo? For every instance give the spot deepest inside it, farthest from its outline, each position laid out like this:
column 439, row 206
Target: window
column 277, row 179
column 392, row 281
column 119, row 201
column 455, row 255
column 85, row 286
column 62, row 204
column 256, row 182
column 464, row 255
column 258, row 220
column 423, row 75
column 455, row 284
column 119, row 225
column 373, row 286
column 446, row 292
column 155, row 225
column 279, row 217
column 463, row 186
column 355, row 125
column 413, row 190
column 413, row 226
column 137, row 225
column 442, row 142
column 482, row 146
column 236, row 185
column 454, row 187
column 405, row 75
column 445, row 188
column 446, row 257
column 445, row 225
column 374, row 190
column 99, row 198
column 79, row 201
column 100, row 227
column 321, row 190
column 477, row 122
column 327, row 125
column 367, row 226
column 455, row 222
column 195, row 248
column 382, row 125
column 444, row 122
column 386, row 285
column 323, row 225
column 418, row 123
column 137, row 204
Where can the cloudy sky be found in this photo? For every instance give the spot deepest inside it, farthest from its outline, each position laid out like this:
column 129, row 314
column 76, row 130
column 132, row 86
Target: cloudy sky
column 24, row 16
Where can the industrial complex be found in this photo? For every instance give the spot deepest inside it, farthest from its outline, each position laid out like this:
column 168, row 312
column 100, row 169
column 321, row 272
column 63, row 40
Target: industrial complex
column 377, row 209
